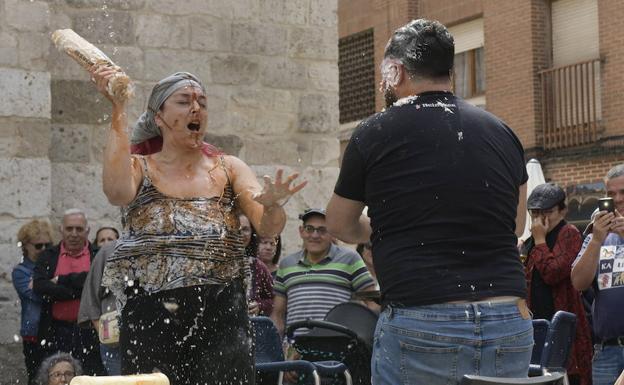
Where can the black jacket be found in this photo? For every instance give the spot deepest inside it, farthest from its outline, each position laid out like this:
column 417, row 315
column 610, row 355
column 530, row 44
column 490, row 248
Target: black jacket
column 68, row 286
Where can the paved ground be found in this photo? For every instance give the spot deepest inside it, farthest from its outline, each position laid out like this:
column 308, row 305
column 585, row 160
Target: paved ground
column 12, row 365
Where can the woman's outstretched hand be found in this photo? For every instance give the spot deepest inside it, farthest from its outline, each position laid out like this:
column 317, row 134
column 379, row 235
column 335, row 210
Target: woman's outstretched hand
column 101, row 75
column 277, row 193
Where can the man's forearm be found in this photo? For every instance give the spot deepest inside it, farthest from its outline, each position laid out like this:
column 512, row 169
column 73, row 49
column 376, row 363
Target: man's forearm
column 584, row 271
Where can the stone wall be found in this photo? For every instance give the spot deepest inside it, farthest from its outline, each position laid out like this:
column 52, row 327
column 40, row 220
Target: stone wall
column 270, row 67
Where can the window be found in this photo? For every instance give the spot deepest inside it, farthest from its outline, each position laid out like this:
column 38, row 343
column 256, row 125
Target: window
column 469, row 71
column 356, row 67
column 469, row 74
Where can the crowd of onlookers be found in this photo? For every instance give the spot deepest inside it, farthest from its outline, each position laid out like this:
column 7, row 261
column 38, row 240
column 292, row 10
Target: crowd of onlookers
column 65, row 330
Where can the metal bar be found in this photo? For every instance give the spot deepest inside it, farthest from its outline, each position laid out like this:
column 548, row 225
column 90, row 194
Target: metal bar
column 577, row 122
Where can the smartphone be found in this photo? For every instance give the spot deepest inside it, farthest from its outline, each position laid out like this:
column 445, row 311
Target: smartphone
column 606, row 204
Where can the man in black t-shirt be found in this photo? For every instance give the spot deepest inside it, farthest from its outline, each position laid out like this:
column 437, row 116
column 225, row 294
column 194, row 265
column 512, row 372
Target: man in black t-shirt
column 445, row 186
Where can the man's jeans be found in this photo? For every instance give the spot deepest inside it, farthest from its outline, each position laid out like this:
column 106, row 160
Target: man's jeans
column 607, row 365
column 438, row 344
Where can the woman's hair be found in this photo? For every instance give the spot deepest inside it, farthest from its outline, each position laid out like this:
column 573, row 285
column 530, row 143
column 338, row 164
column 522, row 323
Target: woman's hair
column 32, row 230
column 97, row 233
column 251, row 250
column 44, row 370
column 278, row 250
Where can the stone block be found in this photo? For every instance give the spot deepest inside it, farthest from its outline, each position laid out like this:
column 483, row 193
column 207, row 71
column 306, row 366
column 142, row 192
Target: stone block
column 242, row 120
column 25, row 187
column 265, row 98
column 318, row 113
column 25, row 94
column 164, row 62
column 75, row 101
column 128, row 58
column 187, row 7
column 218, row 97
column 293, row 12
column 239, row 9
column 272, row 122
column 27, row 15
column 24, row 138
column 62, row 66
column 232, row 69
column 162, row 31
column 230, row 144
column 80, row 185
column 283, row 73
column 313, row 43
column 324, row 13
column 261, row 39
column 98, row 135
column 126, row 5
column 270, row 150
column 105, row 27
column 321, row 182
column 33, row 50
column 70, row 143
column 325, row 152
column 8, row 49
column 11, row 256
column 323, row 75
column 209, row 34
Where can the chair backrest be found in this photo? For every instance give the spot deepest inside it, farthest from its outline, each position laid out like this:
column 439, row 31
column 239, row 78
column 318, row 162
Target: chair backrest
column 267, row 339
column 540, row 330
column 549, row 379
column 559, row 341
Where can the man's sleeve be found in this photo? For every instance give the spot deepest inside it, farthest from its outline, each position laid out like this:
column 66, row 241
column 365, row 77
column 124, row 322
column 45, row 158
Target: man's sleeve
column 360, row 276
column 90, row 301
column 585, row 243
column 278, row 285
column 351, row 180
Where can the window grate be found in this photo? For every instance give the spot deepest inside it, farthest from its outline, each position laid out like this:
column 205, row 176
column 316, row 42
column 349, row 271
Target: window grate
column 356, row 66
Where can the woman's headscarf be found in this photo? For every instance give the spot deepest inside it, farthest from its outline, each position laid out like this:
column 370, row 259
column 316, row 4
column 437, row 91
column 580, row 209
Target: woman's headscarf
column 146, row 136
column 145, row 127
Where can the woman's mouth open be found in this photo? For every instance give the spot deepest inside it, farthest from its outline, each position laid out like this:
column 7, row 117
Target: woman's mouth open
column 193, row 126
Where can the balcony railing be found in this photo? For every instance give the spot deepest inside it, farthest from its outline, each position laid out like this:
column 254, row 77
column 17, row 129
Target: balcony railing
column 571, row 104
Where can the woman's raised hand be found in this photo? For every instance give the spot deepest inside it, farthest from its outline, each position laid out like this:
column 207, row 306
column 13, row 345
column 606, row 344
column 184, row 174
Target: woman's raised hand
column 277, row 193
column 101, row 75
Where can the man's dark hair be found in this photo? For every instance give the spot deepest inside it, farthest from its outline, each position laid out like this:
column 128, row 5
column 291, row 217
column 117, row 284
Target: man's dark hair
column 425, row 48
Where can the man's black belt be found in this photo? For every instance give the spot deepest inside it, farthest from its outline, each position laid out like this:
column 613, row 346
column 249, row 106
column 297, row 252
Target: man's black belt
column 614, row 341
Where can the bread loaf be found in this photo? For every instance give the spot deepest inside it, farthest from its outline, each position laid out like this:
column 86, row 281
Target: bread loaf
column 138, row 379
column 88, row 55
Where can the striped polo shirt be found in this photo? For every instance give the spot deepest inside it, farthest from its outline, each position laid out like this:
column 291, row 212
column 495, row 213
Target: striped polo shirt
column 311, row 290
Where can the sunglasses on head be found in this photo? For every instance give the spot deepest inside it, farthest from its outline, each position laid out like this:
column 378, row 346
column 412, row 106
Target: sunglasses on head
column 41, row 246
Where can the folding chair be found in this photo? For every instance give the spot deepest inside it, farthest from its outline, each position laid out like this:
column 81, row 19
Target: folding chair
column 548, row 379
column 270, row 356
column 557, row 346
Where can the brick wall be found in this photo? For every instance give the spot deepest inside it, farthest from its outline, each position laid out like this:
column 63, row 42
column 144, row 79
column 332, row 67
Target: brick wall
column 450, row 12
column 566, row 172
column 611, row 16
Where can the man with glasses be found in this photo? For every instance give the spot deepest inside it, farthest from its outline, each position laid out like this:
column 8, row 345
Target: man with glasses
column 312, row 281
column 58, row 278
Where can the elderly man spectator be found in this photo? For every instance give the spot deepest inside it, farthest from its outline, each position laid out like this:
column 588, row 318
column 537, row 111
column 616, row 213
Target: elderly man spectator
column 445, row 186
column 58, row 278
column 600, row 264
column 320, row 276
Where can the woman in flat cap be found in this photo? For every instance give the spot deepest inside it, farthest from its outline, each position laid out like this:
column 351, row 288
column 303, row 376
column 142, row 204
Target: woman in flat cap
column 178, row 269
column 551, row 249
